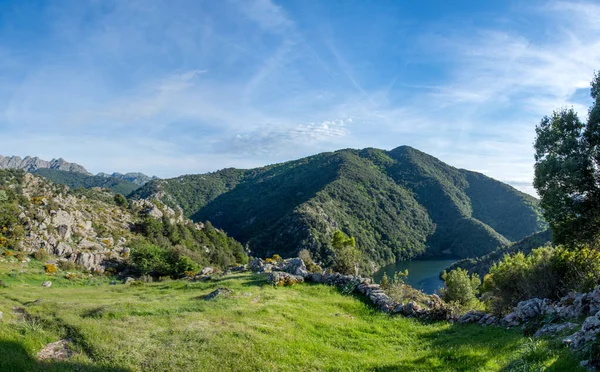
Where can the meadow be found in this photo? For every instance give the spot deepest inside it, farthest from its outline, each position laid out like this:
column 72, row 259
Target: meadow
column 170, row 326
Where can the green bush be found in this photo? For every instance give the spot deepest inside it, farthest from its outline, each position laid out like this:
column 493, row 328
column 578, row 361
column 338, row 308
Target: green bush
column 150, row 259
column 459, row 287
column 548, row 272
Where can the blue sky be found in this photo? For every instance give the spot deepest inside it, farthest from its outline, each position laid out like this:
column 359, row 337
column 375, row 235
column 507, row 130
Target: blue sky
column 177, row 87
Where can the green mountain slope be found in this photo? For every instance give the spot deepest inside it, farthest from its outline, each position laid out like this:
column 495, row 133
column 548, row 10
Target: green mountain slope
column 398, row 204
column 76, row 180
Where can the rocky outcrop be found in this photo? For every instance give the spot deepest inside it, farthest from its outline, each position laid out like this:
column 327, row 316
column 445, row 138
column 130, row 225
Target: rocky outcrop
column 216, row 293
column 30, row 164
column 280, row 278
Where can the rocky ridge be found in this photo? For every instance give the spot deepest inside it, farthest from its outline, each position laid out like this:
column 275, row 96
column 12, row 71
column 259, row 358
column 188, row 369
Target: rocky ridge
column 92, row 232
column 30, row 164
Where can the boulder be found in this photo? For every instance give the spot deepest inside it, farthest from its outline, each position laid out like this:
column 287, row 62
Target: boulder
column 589, row 329
column 529, row 309
column 1, row 315
column 256, row 264
column 128, row 280
column 216, row 293
column 90, row 261
column 511, row 320
column 552, row 329
column 206, row 271
column 412, row 309
column 472, row 316
column 315, row 278
column 47, row 284
column 63, row 250
column 295, row 266
column 280, row 278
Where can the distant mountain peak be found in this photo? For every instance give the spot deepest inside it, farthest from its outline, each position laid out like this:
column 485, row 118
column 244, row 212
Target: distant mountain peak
column 137, row 178
column 31, row 164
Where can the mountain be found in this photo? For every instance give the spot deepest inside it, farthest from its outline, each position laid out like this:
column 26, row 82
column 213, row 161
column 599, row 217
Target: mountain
column 30, row 164
column 398, row 204
column 75, row 175
column 136, row 178
column 75, row 180
column 481, row 265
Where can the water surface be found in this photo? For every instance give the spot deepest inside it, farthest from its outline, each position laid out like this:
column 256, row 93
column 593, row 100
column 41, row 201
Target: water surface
column 422, row 274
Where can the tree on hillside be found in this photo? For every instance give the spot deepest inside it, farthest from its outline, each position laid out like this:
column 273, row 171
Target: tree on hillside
column 347, row 257
column 567, row 171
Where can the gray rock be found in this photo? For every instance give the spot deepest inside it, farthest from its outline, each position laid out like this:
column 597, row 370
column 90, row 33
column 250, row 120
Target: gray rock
column 206, row 271
column 1, row 315
column 128, row 280
column 511, row 320
column 281, row 278
column 216, row 293
column 472, row 316
column 528, row 309
column 63, row 250
column 90, row 261
column 47, row 284
column 316, row 278
column 64, row 232
column 552, row 329
column 295, row 266
column 588, row 332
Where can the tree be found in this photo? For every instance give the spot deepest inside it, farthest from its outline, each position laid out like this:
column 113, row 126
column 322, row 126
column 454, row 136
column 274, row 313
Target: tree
column 567, row 171
column 458, row 286
column 347, row 258
column 385, row 281
column 120, row 200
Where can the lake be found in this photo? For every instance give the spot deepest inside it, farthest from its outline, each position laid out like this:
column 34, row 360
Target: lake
column 422, row 274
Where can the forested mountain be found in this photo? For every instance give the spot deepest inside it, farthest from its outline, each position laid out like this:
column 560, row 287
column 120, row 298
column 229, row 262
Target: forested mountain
column 398, row 204
column 75, row 180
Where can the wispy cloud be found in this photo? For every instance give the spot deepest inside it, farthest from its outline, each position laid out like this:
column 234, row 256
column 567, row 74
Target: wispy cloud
column 195, row 86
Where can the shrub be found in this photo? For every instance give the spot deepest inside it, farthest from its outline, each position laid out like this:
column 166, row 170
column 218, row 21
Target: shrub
column 157, row 261
column 459, row 287
column 9, row 254
column 50, row 268
column 305, row 256
column 276, row 258
column 71, row 276
column 67, row 265
column 120, row 200
column 40, row 255
column 385, row 281
column 548, row 272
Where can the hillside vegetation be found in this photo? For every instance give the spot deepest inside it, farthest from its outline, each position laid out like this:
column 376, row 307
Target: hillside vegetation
column 481, row 265
column 76, row 180
column 398, row 204
column 98, row 231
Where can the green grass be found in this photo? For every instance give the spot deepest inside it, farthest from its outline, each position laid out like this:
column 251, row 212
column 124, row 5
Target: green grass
column 168, row 326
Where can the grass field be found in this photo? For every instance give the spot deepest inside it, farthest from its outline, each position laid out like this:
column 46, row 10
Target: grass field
column 168, row 326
